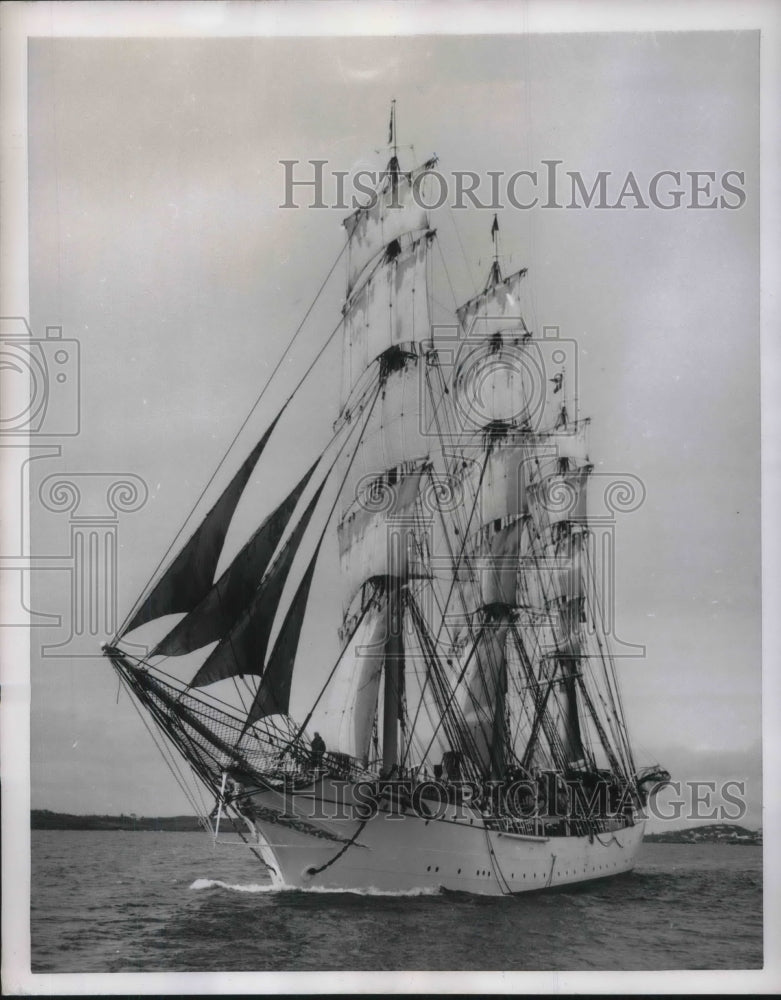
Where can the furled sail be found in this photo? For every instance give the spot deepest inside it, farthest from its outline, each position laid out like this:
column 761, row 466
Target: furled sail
column 273, row 695
column 243, row 648
column 190, row 576
column 231, row 594
column 396, row 209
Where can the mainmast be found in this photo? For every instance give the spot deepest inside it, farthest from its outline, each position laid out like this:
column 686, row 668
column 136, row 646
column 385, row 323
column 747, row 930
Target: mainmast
column 394, row 677
column 386, row 325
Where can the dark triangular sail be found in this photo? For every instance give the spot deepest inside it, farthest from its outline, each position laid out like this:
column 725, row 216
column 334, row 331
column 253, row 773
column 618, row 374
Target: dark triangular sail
column 274, row 692
column 242, row 649
column 190, row 576
column 231, row 594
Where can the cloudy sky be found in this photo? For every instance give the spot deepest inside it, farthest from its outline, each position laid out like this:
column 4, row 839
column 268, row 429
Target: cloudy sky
column 157, row 241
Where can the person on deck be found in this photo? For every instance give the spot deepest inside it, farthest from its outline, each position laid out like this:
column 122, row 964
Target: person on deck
column 318, row 749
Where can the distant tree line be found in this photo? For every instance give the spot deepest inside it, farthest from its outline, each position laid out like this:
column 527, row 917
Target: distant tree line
column 45, row 819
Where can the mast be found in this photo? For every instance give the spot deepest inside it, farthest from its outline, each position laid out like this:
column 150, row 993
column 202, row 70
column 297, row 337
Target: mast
column 386, row 327
column 394, row 677
column 495, row 274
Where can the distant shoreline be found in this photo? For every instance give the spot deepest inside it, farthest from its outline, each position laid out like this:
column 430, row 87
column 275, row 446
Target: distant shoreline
column 45, row 819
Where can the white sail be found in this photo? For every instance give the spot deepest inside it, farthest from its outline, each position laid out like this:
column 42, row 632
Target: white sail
column 377, row 536
column 494, row 552
column 498, row 384
column 394, row 434
column 349, row 705
column 572, row 443
column 389, row 310
column 494, row 483
column 496, row 310
column 559, row 497
column 396, row 209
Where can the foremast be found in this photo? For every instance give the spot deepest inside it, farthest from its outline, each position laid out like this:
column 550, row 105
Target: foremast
column 387, row 323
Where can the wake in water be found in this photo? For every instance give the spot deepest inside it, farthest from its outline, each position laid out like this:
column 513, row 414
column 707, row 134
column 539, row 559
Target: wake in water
column 209, row 883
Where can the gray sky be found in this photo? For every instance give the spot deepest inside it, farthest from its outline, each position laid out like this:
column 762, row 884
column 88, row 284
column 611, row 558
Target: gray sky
column 156, row 239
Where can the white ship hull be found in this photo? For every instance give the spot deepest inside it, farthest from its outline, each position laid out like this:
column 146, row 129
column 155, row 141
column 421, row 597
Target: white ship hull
column 406, row 852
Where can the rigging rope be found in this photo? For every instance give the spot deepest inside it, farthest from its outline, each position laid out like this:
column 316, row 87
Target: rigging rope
column 505, row 888
column 341, row 485
column 243, row 425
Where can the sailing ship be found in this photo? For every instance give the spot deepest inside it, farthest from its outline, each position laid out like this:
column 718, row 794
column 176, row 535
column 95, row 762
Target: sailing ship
column 469, row 733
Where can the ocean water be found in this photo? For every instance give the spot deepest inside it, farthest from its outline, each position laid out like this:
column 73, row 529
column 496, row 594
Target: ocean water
column 172, row 902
